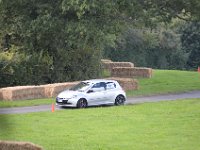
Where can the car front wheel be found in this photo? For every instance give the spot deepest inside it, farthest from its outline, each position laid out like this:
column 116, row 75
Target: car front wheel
column 82, row 103
column 120, row 99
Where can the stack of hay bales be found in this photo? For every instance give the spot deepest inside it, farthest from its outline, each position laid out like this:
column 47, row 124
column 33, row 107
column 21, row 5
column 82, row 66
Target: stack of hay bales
column 143, row 72
column 126, row 69
column 52, row 90
column 129, row 72
column 126, row 83
column 9, row 145
column 33, row 92
column 123, row 77
column 21, row 92
column 123, row 72
column 110, row 65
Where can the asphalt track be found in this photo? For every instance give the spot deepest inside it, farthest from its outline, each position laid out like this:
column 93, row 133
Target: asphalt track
column 132, row 100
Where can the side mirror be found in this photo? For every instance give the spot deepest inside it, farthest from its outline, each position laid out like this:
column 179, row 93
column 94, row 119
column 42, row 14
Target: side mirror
column 90, row 91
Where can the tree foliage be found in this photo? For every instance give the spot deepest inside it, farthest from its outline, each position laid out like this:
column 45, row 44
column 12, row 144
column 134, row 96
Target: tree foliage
column 63, row 40
column 191, row 43
column 165, row 10
column 160, row 48
column 70, row 33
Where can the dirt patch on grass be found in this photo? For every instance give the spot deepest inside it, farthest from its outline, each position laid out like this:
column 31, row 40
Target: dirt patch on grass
column 10, row 145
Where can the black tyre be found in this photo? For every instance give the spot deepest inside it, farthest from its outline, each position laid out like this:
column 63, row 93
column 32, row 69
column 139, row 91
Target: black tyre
column 120, row 99
column 82, row 103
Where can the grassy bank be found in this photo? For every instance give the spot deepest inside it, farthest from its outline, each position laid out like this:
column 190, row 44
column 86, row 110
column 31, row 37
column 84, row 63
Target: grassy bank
column 21, row 103
column 154, row 126
column 167, row 81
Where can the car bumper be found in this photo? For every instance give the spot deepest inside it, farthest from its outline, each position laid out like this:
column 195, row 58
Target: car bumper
column 65, row 105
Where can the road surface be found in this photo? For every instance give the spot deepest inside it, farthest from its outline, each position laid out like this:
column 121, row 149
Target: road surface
column 132, row 100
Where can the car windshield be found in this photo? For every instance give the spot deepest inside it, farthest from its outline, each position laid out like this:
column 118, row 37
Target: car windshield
column 82, row 86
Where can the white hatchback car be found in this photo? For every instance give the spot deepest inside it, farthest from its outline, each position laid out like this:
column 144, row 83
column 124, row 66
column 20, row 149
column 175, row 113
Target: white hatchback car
column 92, row 92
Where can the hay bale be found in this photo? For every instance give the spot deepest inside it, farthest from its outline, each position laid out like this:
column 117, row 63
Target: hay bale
column 143, row 72
column 9, row 145
column 48, row 88
column 22, row 93
column 129, row 72
column 123, row 72
column 1, row 95
column 33, row 92
column 110, row 65
column 59, row 87
column 127, row 83
column 52, row 90
column 106, row 60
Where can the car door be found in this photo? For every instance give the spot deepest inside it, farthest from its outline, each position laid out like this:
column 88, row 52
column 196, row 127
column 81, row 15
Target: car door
column 96, row 95
column 110, row 92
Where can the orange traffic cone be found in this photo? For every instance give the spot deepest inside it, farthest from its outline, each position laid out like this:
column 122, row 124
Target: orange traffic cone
column 52, row 107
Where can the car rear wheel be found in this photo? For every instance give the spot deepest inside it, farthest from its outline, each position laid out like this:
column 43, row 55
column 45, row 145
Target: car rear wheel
column 120, row 99
column 82, row 103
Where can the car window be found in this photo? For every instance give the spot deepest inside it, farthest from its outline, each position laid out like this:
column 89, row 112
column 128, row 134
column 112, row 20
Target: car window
column 82, row 86
column 99, row 86
column 110, row 85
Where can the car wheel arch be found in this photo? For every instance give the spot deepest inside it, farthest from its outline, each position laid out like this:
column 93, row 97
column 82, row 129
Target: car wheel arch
column 78, row 103
column 120, row 95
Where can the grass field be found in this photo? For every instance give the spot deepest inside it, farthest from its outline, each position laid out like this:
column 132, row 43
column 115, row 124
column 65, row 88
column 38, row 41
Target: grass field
column 173, row 125
column 162, row 82
column 168, row 81
column 21, row 103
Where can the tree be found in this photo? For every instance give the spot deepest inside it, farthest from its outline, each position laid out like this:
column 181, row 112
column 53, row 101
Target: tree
column 73, row 33
column 70, row 33
column 129, row 47
column 191, row 44
column 159, row 48
column 165, row 10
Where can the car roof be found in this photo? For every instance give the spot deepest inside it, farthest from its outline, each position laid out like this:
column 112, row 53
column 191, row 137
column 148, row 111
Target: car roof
column 99, row 80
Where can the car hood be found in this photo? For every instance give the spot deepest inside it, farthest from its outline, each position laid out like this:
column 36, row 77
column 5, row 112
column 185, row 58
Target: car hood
column 69, row 94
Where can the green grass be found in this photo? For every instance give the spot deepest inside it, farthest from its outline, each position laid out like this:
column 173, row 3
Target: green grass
column 20, row 103
column 167, row 81
column 172, row 125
